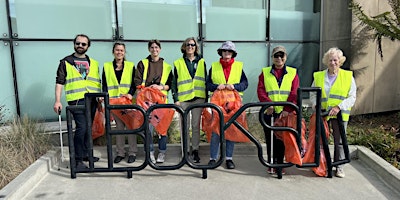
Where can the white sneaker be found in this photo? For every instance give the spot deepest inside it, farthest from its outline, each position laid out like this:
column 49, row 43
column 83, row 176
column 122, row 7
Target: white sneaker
column 340, row 172
column 161, row 157
column 152, row 158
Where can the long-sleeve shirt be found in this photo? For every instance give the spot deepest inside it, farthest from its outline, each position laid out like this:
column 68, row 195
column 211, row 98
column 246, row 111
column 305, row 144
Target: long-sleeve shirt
column 154, row 73
column 346, row 103
column 263, row 94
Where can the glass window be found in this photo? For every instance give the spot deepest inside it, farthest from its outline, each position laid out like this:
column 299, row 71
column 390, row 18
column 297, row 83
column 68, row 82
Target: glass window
column 254, row 58
column 304, row 57
column 41, row 73
column 172, row 21
column 7, row 96
column 235, row 20
column 3, row 20
column 63, row 18
column 294, row 20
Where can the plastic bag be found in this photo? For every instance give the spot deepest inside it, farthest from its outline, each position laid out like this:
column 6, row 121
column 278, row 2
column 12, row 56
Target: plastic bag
column 292, row 151
column 98, row 125
column 309, row 156
column 230, row 102
column 132, row 118
column 160, row 118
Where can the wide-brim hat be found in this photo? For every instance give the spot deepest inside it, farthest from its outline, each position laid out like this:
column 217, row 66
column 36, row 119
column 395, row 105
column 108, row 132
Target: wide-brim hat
column 228, row 45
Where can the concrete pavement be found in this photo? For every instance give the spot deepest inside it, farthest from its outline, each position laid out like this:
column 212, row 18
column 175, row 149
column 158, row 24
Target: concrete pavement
column 367, row 177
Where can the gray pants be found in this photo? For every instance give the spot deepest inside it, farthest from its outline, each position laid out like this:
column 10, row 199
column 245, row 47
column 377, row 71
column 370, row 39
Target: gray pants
column 339, row 151
column 120, row 140
column 193, row 121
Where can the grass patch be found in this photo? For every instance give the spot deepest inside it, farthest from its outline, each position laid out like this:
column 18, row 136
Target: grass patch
column 21, row 144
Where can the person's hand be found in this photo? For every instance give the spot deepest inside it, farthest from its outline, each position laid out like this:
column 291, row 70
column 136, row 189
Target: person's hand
column 129, row 96
column 221, row 86
column 283, row 114
column 270, row 110
column 334, row 111
column 57, row 107
column 178, row 103
column 230, row 87
column 159, row 87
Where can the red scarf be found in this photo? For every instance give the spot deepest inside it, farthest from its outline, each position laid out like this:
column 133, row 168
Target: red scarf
column 226, row 66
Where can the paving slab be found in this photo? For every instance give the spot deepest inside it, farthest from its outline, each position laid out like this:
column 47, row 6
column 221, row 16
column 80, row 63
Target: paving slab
column 364, row 180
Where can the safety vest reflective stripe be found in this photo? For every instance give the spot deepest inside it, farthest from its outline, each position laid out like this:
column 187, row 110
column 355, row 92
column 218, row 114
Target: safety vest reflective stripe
column 189, row 88
column 218, row 76
column 75, row 91
column 276, row 92
column 338, row 92
column 337, row 97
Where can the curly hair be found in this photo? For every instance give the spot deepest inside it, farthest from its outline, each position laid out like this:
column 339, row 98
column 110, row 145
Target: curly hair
column 334, row 51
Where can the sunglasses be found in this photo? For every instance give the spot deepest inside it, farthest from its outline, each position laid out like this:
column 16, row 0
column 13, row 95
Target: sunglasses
column 224, row 50
column 279, row 55
column 189, row 44
column 80, row 43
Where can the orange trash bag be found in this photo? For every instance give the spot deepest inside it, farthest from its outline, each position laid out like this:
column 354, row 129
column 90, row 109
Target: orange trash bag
column 132, row 118
column 310, row 153
column 98, row 125
column 292, row 152
column 230, row 102
column 160, row 118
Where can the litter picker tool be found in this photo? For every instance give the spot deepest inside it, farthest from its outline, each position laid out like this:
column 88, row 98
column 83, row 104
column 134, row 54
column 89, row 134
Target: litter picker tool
column 61, row 139
column 272, row 140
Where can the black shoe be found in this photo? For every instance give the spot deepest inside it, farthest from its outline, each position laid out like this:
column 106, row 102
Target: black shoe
column 196, row 157
column 230, row 164
column 211, row 162
column 118, row 159
column 95, row 159
column 131, row 159
column 80, row 165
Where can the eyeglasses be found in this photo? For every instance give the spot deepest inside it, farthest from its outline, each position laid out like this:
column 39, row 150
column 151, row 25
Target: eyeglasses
column 189, row 44
column 279, row 55
column 80, row 43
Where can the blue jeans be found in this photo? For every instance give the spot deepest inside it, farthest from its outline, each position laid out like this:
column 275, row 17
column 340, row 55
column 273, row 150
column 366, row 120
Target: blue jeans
column 214, row 147
column 81, row 137
column 162, row 141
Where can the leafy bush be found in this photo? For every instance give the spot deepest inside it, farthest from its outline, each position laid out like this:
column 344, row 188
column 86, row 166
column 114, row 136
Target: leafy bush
column 377, row 132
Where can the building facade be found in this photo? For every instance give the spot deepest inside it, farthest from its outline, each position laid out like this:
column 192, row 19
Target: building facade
column 37, row 34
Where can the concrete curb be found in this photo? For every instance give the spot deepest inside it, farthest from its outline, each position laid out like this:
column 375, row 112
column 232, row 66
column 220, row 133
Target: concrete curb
column 32, row 175
column 390, row 174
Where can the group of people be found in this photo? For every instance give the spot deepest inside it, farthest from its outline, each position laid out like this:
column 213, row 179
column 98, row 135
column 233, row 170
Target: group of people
column 191, row 84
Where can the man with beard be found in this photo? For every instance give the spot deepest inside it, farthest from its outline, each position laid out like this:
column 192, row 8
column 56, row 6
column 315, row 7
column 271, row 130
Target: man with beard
column 79, row 74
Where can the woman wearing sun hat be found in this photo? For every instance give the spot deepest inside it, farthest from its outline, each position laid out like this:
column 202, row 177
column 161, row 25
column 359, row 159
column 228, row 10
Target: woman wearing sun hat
column 227, row 73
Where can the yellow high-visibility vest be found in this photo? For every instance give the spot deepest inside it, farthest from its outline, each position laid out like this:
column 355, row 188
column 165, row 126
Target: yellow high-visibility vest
column 218, row 77
column 189, row 88
column 114, row 89
column 76, row 87
column 276, row 93
column 164, row 77
column 338, row 92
